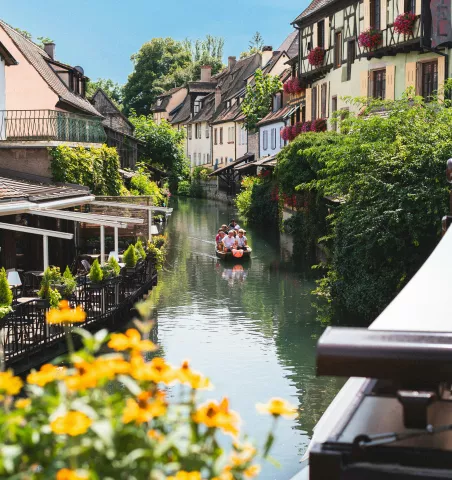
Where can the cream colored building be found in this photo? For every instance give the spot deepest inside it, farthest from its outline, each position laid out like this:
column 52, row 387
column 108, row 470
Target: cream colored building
column 166, row 104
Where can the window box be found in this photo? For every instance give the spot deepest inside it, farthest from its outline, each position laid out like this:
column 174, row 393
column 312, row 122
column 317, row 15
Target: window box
column 404, row 23
column 370, row 39
column 316, row 56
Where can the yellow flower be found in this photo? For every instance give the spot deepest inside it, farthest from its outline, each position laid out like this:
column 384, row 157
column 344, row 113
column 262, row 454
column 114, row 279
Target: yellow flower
column 66, row 474
column 23, row 403
column 48, row 373
column 214, row 415
column 277, row 407
column 72, row 423
column 194, row 379
column 155, row 435
column 65, row 314
column 243, row 454
column 252, row 471
column 144, row 410
column 9, row 383
column 131, row 341
column 186, row 476
column 157, row 370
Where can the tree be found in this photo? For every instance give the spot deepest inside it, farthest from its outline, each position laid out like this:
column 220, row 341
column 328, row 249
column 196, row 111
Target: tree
column 113, row 90
column 163, row 147
column 258, row 98
column 255, row 46
column 24, row 33
column 156, row 59
column 43, row 40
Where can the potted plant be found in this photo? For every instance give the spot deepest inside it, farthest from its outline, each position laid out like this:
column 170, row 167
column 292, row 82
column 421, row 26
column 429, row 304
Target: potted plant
column 69, row 283
column 111, row 269
column 48, row 295
column 140, row 250
column 6, row 295
column 130, row 257
column 370, row 39
column 404, row 23
column 159, row 240
column 96, row 274
column 316, row 56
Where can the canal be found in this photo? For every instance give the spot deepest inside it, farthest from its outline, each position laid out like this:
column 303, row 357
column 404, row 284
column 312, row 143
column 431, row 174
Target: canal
column 250, row 328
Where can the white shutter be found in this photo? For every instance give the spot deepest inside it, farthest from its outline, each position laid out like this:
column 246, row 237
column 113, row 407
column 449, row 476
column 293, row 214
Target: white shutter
column 308, row 104
column 327, row 32
column 401, row 7
column 314, row 35
column 441, row 75
column 366, row 6
column 418, row 7
column 390, row 82
column 364, row 84
column 383, row 14
column 410, row 75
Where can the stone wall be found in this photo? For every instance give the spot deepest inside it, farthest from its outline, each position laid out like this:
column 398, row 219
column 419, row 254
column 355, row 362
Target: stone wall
column 212, row 192
column 35, row 161
column 253, row 144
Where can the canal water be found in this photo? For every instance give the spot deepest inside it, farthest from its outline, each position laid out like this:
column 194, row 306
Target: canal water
column 250, row 328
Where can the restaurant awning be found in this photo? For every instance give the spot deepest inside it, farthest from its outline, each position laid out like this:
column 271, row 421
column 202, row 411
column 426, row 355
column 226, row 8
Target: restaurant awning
column 248, row 157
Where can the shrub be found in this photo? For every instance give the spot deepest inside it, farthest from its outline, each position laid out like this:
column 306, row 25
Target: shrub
column 54, row 298
column 69, row 282
column 183, row 188
column 6, row 295
column 156, row 255
column 140, row 249
column 52, row 276
column 140, row 184
column 95, row 273
column 201, row 173
column 111, row 268
column 96, row 168
column 159, row 240
column 130, row 257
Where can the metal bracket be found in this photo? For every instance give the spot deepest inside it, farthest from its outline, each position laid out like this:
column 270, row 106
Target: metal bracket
column 415, row 405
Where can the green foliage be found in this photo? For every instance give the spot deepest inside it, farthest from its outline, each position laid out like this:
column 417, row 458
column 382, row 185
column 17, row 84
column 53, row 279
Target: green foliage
column 156, row 255
column 6, row 295
column 43, row 40
column 141, row 184
column 96, row 168
column 95, row 272
column 111, row 268
column 112, row 89
column 140, row 249
column 130, row 257
column 258, row 201
column 69, row 282
column 52, row 276
column 24, row 33
column 54, row 297
column 159, row 240
column 183, row 188
column 201, row 173
column 255, row 46
column 163, row 147
column 258, row 98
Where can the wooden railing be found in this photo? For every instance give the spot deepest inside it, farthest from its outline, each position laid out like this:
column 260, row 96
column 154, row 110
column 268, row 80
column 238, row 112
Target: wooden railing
column 26, row 340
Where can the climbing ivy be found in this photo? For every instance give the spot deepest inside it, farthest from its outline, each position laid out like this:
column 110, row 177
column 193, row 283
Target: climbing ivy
column 96, row 168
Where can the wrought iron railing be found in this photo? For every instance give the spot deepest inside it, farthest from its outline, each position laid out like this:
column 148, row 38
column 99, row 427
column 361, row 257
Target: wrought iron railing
column 26, row 340
column 50, row 125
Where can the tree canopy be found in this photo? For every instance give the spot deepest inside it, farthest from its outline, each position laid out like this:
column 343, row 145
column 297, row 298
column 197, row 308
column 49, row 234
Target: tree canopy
column 165, row 63
column 258, row 98
column 112, row 89
column 255, row 46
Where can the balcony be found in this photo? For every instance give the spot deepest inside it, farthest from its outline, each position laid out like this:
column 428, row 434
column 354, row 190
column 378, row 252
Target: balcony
column 17, row 126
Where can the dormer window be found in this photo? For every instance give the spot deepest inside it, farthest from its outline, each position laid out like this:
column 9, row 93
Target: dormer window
column 228, row 103
column 159, row 102
column 277, row 102
column 197, row 106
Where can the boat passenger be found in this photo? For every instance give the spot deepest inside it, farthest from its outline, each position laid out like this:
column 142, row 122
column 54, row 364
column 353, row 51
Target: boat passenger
column 234, row 225
column 242, row 242
column 229, row 242
column 219, row 238
column 225, row 229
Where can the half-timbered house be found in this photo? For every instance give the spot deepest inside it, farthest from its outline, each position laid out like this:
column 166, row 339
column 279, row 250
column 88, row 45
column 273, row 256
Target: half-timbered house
column 350, row 48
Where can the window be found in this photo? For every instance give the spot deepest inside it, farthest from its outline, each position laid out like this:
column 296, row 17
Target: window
column 197, row 130
column 197, row 106
column 323, row 91
column 243, row 136
column 265, row 140
column 281, row 141
column 221, row 160
column 199, row 158
column 314, row 104
column 207, row 131
column 230, row 134
column 410, row 6
column 321, row 34
column 338, row 49
column 221, row 135
column 379, row 84
column 273, row 138
column 189, row 132
column 429, row 80
column 350, row 57
column 334, row 110
column 277, row 101
column 159, row 102
column 375, row 13
column 215, row 139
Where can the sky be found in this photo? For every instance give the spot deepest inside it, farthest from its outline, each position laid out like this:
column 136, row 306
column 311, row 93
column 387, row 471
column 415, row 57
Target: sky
column 101, row 35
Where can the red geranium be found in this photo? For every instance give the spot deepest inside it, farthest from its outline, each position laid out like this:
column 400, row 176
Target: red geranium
column 293, row 86
column 285, row 133
column 306, row 127
column 370, row 38
column 404, row 23
column 318, row 125
column 316, row 56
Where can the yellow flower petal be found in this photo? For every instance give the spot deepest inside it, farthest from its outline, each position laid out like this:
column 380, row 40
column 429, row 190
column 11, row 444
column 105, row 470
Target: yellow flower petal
column 72, row 423
column 9, row 383
column 277, row 407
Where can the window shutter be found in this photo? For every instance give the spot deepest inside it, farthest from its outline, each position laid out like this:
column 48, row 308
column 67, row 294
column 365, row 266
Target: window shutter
column 327, row 99
column 441, row 75
column 314, row 35
column 418, row 7
column 383, row 14
column 410, row 75
column 308, row 104
column 364, row 84
column 327, row 32
column 366, row 6
column 401, row 6
column 319, row 101
column 390, row 82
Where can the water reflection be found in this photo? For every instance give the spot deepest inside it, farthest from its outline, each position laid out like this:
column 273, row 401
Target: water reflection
column 250, row 327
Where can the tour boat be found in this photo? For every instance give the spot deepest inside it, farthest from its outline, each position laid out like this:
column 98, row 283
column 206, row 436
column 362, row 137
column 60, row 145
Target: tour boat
column 229, row 255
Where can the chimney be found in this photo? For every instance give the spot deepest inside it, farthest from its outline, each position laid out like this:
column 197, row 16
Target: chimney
column 217, row 98
column 267, row 54
column 49, row 48
column 231, row 62
column 206, row 73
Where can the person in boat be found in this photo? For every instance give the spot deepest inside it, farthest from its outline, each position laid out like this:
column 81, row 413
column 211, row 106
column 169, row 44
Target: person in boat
column 225, row 229
column 219, row 239
column 234, row 225
column 242, row 242
column 229, row 242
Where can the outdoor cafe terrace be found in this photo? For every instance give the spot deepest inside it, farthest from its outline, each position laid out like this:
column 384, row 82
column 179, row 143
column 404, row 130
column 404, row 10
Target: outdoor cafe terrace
column 46, row 224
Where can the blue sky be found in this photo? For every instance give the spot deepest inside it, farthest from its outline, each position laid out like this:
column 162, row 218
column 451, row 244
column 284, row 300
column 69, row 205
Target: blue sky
column 101, row 35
